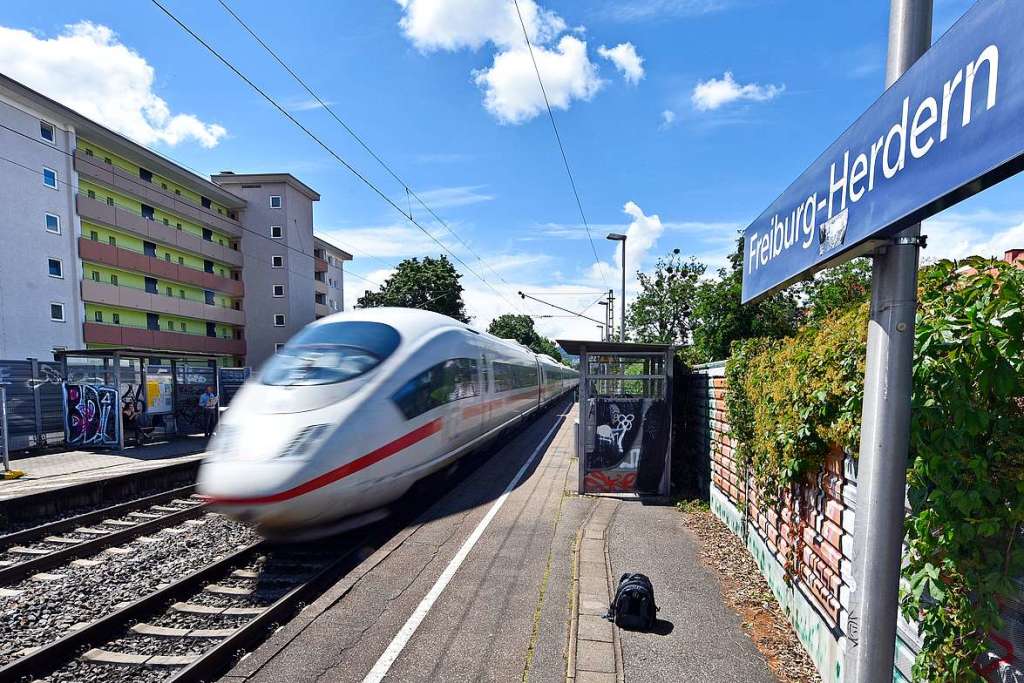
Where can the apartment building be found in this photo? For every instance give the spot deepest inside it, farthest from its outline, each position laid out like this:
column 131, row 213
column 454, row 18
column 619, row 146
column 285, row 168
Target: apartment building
column 329, row 277
column 279, row 257
column 106, row 244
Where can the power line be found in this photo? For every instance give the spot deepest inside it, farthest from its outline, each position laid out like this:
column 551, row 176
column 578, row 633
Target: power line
column 320, row 142
column 547, row 303
column 409, row 192
column 558, row 139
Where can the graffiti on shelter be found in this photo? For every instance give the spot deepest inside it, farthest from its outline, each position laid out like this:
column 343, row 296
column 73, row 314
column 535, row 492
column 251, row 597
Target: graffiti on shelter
column 47, row 375
column 90, row 415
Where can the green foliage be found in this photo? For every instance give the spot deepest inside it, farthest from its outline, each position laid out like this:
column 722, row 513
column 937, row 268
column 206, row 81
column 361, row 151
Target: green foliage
column 835, row 289
column 966, row 475
column 792, row 399
column 430, row 285
column 663, row 309
column 720, row 318
column 521, row 329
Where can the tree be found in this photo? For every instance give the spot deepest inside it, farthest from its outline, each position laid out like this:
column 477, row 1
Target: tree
column 837, row 288
column 662, row 312
column 720, row 318
column 430, row 285
column 521, row 329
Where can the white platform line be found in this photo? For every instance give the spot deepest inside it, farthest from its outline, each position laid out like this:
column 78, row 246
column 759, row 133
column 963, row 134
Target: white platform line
column 383, row 665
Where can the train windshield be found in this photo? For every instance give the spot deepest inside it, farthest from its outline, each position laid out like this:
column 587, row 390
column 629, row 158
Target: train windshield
column 326, row 354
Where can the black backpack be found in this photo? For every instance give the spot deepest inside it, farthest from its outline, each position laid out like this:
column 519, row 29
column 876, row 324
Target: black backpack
column 633, row 606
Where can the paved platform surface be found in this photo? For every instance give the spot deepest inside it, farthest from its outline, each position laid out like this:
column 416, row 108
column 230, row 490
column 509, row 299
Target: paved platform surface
column 504, row 613
column 68, row 468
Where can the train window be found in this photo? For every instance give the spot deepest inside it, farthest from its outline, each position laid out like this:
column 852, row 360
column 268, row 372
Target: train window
column 335, row 352
column 508, row 376
column 445, row 382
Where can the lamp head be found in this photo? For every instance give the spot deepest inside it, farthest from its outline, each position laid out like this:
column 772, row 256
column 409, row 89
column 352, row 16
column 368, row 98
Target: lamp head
column 616, row 237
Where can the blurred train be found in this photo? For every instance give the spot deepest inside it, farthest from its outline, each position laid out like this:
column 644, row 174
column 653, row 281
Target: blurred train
column 359, row 406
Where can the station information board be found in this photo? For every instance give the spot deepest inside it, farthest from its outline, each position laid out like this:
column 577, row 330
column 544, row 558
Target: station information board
column 948, row 128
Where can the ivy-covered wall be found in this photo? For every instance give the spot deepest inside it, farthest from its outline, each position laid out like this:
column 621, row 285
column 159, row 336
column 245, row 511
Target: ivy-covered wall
column 783, row 430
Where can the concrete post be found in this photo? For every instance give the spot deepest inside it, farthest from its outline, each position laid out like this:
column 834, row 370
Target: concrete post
column 885, row 434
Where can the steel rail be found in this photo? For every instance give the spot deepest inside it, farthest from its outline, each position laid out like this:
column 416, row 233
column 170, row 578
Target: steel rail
column 61, row 525
column 16, row 572
column 48, row 658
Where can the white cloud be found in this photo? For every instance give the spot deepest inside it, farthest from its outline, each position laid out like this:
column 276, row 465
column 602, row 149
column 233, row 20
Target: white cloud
column 642, row 233
column 717, row 92
column 447, row 197
column 87, row 69
column 626, row 60
column 455, row 24
column 668, row 117
column 511, row 91
column 307, row 104
column 977, row 233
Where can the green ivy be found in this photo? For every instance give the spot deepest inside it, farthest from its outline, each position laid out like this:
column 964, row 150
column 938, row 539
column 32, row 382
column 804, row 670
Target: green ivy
column 790, row 400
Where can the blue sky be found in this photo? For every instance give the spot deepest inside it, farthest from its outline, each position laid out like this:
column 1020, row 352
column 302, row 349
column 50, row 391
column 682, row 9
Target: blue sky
column 680, row 137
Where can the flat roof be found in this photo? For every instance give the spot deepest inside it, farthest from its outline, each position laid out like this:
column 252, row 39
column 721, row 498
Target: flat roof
column 575, row 346
column 230, row 177
column 344, row 254
column 122, row 145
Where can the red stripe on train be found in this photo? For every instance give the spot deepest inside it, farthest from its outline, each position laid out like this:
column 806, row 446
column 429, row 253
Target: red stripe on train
column 375, row 456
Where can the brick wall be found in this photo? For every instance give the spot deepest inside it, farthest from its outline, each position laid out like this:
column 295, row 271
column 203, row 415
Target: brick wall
column 802, row 543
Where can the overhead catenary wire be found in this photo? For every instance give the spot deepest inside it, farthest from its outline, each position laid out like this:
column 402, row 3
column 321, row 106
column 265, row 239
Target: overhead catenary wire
column 284, row 112
column 410, row 193
column 561, row 148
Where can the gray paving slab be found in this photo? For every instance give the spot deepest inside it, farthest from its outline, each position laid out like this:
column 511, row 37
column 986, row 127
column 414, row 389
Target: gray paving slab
column 489, row 621
column 703, row 639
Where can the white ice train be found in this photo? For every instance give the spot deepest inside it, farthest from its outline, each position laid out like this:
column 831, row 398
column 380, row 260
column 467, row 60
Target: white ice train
column 359, row 406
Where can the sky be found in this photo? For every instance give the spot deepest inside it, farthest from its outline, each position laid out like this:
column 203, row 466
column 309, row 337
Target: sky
column 681, row 121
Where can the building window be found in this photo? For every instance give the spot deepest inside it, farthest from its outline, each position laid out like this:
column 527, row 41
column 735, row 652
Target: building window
column 170, row 325
column 177, row 191
column 167, row 257
column 49, row 177
column 277, row 261
column 181, row 326
column 211, row 330
column 146, row 175
column 94, row 236
column 151, row 285
column 148, row 212
column 113, row 279
column 181, row 260
column 207, row 234
column 178, row 226
column 98, row 316
column 169, row 291
column 181, row 293
column 278, row 346
column 278, row 290
column 279, row 320
column 110, row 201
column 117, row 318
column 208, row 297
column 220, row 271
column 88, row 152
column 205, row 201
column 163, row 186
column 112, row 240
column 220, row 210
column 47, row 132
column 166, row 222
column 57, row 312
column 95, row 276
column 275, row 201
column 149, row 249
column 55, row 268
column 91, row 194
column 276, row 232
column 52, row 223
column 107, row 160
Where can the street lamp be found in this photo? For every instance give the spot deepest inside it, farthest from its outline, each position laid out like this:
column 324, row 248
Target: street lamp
column 617, row 237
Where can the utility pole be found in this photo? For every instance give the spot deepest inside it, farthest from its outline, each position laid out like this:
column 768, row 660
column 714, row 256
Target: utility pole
column 611, row 315
column 619, row 237
column 885, row 433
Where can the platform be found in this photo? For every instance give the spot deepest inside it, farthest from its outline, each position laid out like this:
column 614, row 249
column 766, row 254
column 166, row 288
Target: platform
column 55, row 471
column 502, row 579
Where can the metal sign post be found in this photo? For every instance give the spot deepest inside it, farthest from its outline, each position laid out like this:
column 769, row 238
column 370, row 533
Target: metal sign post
column 3, row 424
column 885, row 433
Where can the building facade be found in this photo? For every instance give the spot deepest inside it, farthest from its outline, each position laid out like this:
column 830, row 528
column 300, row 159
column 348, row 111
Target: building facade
column 106, row 244
column 329, row 277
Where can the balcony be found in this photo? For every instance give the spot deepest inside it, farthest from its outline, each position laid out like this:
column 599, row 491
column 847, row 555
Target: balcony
column 130, row 297
column 129, row 221
column 112, row 176
column 319, row 265
column 119, row 257
column 322, row 310
column 135, row 337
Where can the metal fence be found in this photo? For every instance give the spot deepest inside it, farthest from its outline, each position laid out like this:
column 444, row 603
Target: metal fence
column 35, row 411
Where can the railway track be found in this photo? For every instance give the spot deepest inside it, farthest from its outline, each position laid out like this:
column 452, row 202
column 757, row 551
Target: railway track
column 36, row 550
column 193, row 629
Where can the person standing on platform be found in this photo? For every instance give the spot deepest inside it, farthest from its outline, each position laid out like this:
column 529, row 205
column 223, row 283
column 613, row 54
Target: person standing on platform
column 210, row 405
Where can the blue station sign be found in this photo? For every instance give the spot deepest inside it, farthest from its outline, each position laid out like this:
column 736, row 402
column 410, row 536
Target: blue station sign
column 950, row 127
